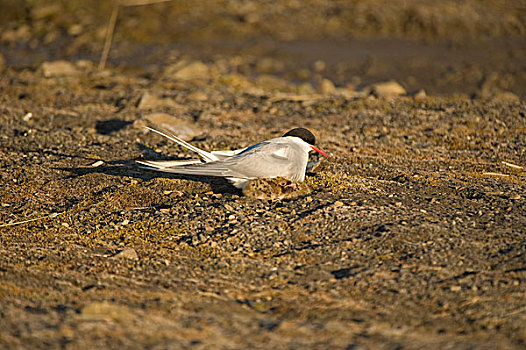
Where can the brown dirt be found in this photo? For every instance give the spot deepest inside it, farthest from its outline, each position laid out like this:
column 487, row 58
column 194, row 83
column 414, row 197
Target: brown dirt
column 412, row 235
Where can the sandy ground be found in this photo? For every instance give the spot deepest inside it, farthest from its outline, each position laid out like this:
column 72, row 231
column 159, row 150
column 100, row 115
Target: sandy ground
column 411, row 235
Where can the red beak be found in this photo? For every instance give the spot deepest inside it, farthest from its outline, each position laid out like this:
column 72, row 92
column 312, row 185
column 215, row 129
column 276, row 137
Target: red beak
column 319, row 151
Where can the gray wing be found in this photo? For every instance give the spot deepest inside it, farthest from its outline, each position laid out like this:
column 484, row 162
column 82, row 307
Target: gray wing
column 263, row 160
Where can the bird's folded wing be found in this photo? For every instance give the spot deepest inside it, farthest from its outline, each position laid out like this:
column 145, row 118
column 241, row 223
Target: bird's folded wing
column 227, row 153
column 205, row 169
column 265, row 160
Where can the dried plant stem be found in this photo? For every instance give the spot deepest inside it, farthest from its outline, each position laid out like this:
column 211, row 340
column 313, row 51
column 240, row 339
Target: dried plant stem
column 110, row 28
column 50, row 216
column 140, row 2
column 109, row 37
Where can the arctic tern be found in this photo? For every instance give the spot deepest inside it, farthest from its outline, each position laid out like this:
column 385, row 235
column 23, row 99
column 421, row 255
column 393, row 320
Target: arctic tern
column 285, row 156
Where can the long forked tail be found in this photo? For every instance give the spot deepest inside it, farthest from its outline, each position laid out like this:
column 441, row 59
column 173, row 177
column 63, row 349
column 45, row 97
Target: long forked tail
column 207, row 156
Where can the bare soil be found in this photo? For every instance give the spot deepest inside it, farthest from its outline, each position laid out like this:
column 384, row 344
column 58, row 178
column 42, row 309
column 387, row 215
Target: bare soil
column 411, row 237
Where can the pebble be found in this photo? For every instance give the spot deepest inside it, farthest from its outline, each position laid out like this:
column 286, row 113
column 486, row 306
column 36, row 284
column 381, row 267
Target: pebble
column 327, row 87
column 177, row 126
column 237, row 81
column 126, row 253
column 505, row 96
column 75, row 29
column 58, row 69
column 268, row 65
column 106, row 312
column 319, row 66
column 21, row 34
column 189, row 70
column 386, row 89
column 420, row 94
column 305, row 88
column 272, row 83
column 47, row 10
column 151, row 101
column 197, row 96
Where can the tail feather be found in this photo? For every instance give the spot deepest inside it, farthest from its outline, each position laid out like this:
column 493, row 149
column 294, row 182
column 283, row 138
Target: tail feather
column 166, row 163
column 207, row 156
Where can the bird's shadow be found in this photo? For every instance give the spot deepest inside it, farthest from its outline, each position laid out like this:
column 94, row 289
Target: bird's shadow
column 129, row 168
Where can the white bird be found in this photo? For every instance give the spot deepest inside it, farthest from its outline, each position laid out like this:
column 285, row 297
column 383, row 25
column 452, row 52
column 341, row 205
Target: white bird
column 285, row 156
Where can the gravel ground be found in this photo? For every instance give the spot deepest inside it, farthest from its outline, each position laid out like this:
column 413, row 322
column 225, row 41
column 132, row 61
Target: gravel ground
column 410, row 236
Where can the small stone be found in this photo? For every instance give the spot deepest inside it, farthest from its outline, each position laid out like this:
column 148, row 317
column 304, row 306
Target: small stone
column 27, row 117
column 197, row 96
column 97, row 164
column 189, row 70
column 46, row 11
column 66, row 332
column 420, row 94
column 21, row 34
column 237, row 81
column 305, row 88
column 176, row 126
column 269, row 82
column 106, row 312
column 386, row 89
column 505, row 96
column 349, row 93
column 85, row 65
column 76, row 29
column 319, row 66
column 126, row 253
column 327, row 87
column 455, row 288
column 58, row 69
column 151, row 101
column 268, row 65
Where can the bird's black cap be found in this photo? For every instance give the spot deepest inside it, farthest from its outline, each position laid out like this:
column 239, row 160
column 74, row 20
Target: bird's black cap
column 303, row 134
